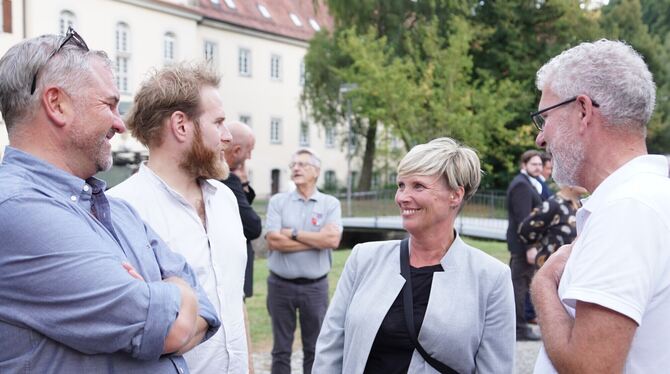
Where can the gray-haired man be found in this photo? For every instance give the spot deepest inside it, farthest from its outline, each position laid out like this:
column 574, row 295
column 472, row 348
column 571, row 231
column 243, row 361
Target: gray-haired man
column 86, row 286
column 603, row 302
column 303, row 226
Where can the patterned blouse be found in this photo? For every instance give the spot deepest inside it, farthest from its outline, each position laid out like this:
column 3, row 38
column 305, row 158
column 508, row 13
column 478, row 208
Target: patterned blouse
column 551, row 225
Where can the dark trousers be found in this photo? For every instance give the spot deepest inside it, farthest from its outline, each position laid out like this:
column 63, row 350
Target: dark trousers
column 522, row 274
column 249, row 272
column 285, row 299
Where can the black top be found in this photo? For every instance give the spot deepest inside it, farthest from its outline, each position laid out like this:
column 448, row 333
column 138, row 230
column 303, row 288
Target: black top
column 392, row 349
column 251, row 222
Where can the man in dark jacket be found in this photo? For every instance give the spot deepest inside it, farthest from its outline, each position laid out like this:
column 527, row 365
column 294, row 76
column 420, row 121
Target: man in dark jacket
column 236, row 155
column 523, row 194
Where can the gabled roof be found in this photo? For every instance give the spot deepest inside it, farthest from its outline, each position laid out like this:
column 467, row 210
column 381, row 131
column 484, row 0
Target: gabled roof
column 248, row 15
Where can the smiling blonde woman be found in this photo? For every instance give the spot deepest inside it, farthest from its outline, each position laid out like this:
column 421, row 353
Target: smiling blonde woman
column 429, row 303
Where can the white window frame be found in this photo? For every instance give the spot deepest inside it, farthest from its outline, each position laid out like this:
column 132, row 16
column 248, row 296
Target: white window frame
column 245, row 118
column 169, row 47
column 275, row 67
column 231, row 4
column 303, row 137
column 296, row 20
column 301, row 73
column 264, row 11
column 244, row 62
column 210, row 51
column 315, row 25
column 330, row 137
column 66, row 19
column 275, row 130
column 122, row 73
column 122, row 45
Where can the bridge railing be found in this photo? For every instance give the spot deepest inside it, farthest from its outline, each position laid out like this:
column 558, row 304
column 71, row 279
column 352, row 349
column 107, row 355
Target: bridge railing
column 485, row 204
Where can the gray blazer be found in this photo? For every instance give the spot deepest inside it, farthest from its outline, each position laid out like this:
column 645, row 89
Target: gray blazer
column 469, row 322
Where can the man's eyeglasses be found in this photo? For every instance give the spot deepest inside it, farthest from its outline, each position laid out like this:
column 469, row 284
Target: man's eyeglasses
column 71, row 36
column 538, row 119
column 299, row 164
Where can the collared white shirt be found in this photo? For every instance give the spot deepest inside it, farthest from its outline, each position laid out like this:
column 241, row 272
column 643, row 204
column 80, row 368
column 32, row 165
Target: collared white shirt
column 533, row 181
column 218, row 255
column 621, row 259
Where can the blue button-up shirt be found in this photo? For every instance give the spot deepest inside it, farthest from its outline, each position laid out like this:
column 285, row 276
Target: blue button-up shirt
column 66, row 303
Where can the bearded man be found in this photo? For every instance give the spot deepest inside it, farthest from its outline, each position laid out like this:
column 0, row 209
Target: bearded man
column 178, row 115
column 603, row 302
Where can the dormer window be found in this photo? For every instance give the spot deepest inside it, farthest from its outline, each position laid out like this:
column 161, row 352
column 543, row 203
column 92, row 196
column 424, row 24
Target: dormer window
column 264, row 11
column 295, row 19
column 314, row 24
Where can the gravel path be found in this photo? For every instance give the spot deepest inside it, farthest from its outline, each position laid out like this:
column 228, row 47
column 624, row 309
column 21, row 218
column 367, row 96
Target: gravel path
column 526, row 352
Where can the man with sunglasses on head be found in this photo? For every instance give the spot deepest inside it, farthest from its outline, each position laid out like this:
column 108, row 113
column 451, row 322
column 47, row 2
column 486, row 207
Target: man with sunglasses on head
column 86, row 286
column 603, row 302
column 303, row 226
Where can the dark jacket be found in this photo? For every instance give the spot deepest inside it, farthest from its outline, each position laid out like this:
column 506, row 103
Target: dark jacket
column 522, row 197
column 251, row 224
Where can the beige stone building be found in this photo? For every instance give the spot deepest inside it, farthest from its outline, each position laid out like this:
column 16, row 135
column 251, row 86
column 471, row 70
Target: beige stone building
column 257, row 46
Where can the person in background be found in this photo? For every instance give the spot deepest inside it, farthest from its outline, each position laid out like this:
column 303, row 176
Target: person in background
column 523, row 194
column 236, row 155
column 430, row 303
column 552, row 224
column 86, row 286
column 303, row 227
column 545, row 176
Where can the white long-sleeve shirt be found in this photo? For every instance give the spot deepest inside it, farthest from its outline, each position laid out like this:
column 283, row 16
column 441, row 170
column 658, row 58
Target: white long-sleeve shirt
column 217, row 253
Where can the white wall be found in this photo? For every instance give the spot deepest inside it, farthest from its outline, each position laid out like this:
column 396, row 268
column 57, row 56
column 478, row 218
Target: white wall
column 257, row 95
column 262, row 98
column 6, row 41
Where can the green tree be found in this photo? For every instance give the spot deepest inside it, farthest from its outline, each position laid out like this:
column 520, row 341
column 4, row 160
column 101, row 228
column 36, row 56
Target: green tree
column 625, row 20
column 414, row 71
column 516, row 38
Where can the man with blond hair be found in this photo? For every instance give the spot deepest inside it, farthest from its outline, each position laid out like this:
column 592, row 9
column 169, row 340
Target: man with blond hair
column 178, row 115
column 86, row 286
column 603, row 302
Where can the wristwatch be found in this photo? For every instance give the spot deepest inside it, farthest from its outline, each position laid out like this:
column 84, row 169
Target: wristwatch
column 294, row 234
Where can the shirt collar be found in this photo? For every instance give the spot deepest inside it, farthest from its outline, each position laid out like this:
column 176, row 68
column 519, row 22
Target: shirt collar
column 207, row 185
column 645, row 164
column 49, row 176
column 316, row 196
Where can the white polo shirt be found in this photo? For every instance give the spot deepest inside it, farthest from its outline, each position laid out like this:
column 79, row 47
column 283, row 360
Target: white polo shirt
column 621, row 259
column 218, row 255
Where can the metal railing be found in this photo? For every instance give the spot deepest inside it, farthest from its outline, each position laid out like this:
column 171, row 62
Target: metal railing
column 485, row 204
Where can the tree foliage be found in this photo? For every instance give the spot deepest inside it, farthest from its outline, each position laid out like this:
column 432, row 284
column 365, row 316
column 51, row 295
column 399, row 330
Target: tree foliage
column 465, row 69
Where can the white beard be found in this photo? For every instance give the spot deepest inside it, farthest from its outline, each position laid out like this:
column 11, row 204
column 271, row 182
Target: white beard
column 568, row 157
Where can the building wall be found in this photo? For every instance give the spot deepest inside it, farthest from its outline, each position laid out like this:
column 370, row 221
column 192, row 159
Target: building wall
column 8, row 39
column 256, row 96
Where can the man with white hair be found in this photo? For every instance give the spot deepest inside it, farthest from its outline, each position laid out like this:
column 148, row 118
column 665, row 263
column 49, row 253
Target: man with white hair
column 303, row 226
column 603, row 302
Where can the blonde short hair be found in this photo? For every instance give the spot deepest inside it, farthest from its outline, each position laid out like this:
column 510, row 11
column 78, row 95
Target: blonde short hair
column 458, row 164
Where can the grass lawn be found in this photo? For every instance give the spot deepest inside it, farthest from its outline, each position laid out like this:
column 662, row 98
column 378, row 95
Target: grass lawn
column 261, row 331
